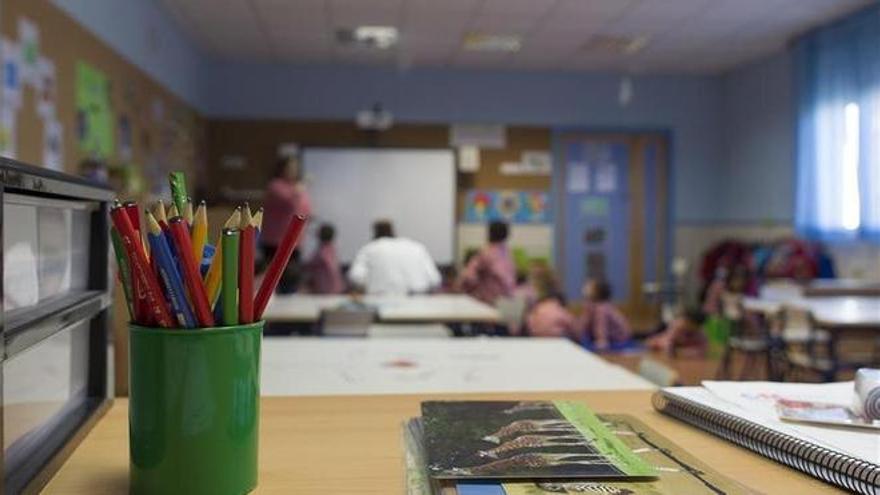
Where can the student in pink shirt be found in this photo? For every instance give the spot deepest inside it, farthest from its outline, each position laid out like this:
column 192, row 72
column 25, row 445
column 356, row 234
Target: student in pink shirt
column 325, row 277
column 285, row 197
column 549, row 318
column 491, row 274
column 601, row 324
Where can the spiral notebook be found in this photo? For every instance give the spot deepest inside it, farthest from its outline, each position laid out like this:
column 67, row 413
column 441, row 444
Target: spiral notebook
column 745, row 414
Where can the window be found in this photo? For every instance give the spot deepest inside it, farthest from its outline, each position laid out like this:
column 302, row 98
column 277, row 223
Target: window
column 850, row 217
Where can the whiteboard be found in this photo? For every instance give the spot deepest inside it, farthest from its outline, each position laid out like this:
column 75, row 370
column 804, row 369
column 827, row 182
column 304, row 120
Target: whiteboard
column 353, row 187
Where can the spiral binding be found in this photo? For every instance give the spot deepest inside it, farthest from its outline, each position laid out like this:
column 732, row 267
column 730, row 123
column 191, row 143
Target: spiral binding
column 830, row 466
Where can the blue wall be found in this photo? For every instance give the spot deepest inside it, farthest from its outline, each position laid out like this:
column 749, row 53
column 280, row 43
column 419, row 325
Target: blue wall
column 688, row 106
column 758, row 130
column 143, row 33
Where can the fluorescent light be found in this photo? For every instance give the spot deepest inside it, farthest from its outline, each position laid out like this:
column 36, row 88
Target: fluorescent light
column 482, row 42
column 379, row 37
column 851, row 216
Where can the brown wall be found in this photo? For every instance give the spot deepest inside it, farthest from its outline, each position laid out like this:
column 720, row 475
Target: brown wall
column 258, row 140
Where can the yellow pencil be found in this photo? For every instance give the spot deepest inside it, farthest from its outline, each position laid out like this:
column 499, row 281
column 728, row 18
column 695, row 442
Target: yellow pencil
column 213, row 277
column 199, row 232
column 159, row 212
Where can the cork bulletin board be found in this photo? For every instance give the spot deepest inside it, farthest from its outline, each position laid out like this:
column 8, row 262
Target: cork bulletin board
column 73, row 98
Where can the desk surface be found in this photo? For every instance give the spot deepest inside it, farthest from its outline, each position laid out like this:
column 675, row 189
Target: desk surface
column 352, row 445
column 352, row 366
column 828, row 311
column 449, row 308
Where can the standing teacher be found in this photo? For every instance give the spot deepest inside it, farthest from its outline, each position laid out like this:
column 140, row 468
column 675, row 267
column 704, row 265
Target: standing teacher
column 286, row 196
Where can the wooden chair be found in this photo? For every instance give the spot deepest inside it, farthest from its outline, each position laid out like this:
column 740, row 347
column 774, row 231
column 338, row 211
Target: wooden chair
column 749, row 338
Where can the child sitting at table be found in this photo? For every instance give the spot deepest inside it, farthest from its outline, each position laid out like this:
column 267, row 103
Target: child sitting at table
column 323, row 269
column 683, row 335
column 546, row 314
column 601, row 325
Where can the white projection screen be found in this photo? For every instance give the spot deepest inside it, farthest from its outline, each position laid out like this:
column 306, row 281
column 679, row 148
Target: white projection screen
column 352, row 187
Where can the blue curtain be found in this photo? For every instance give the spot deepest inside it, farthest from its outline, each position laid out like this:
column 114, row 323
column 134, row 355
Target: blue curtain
column 837, row 78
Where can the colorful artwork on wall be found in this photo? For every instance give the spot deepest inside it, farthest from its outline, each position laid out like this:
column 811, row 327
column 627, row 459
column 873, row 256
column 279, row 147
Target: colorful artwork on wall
column 483, row 205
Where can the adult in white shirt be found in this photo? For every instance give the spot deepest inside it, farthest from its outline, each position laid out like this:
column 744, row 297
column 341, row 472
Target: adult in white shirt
column 393, row 265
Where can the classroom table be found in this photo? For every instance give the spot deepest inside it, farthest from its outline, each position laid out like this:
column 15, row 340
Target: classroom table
column 352, row 445
column 433, row 308
column 831, row 312
column 352, row 366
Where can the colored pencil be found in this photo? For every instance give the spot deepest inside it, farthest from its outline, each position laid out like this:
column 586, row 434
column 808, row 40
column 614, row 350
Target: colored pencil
column 161, row 217
column 229, row 292
column 173, row 211
column 200, row 233
column 188, row 212
column 246, row 268
column 190, row 271
column 258, row 226
column 177, row 181
column 215, row 271
column 278, row 264
column 140, row 302
column 174, row 286
column 124, row 273
column 140, row 269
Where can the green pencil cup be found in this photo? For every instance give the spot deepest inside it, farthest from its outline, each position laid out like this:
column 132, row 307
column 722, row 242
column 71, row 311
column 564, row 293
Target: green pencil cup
column 194, row 409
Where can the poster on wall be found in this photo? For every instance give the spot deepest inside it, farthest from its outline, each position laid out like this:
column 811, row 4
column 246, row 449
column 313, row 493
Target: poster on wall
column 11, row 55
column 46, row 90
column 512, row 206
column 95, row 123
column 29, row 44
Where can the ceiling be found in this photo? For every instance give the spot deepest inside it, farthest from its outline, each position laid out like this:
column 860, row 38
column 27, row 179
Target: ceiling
column 684, row 36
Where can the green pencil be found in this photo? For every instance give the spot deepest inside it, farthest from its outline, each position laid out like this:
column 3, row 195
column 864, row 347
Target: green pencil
column 229, row 284
column 124, row 271
column 177, row 181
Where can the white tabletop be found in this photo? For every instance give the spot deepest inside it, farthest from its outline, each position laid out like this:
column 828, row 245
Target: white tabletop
column 449, row 308
column 415, row 330
column 327, row 366
column 830, row 311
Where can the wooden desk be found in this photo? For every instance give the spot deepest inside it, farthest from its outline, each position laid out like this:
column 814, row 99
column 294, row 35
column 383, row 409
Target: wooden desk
column 352, row 445
column 357, row 366
column 430, row 308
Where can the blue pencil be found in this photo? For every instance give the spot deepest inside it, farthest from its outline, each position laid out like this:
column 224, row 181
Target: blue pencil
column 171, row 279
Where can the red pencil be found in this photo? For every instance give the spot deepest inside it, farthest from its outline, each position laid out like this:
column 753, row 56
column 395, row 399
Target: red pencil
column 278, row 264
column 197, row 295
column 246, row 268
column 140, row 269
column 141, row 308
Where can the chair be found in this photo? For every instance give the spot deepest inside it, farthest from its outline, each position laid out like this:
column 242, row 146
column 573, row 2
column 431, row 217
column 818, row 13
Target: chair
column 657, row 373
column 512, row 310
column 346, row 322
column 749, row 337
column 805, row 346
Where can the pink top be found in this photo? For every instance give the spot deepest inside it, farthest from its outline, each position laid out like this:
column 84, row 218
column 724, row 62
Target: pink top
column 548, row 318
column 490, row 274
column 604, row 324
column 323, row 268
column 284, row 199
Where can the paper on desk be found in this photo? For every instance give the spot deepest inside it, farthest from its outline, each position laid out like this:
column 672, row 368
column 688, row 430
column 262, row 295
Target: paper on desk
column 756, row 402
